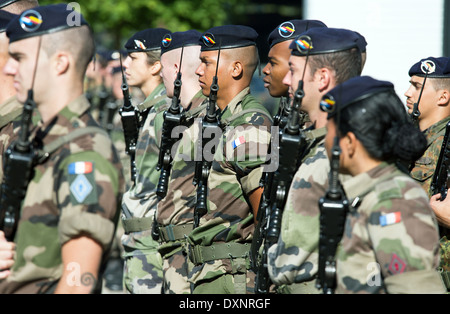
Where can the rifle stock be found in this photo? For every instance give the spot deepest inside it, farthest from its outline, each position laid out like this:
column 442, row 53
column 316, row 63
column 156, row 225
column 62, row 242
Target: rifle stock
column 441, row 178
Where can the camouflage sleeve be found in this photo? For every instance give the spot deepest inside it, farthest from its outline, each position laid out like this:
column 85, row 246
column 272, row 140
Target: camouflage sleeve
column 87, row 191
column 294, row 258
column 246, row 150
column 392, row 236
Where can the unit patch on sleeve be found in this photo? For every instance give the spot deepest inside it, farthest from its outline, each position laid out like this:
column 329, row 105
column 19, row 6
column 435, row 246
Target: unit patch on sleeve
column 83, row 189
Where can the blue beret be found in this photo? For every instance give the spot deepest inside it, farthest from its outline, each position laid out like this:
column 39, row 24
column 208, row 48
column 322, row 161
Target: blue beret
column 4, row 3
column 5, row 18
column 436, row 67
column 324, row 40
column 352, row 91
column 43, row 20
column 146, row 40
column 291, row 29
column 228, row 36
column 180, row 39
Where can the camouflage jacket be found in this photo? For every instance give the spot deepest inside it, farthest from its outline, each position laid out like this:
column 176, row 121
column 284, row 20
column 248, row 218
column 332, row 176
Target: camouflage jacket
column 10, row 118
column 294, row 258
column 235, row 173
column 423, row 169
column 76, row 190
column 178, row 205
column 390, row 243
column 139, row 202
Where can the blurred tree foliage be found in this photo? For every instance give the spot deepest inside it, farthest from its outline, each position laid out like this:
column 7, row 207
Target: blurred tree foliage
column 114, row 21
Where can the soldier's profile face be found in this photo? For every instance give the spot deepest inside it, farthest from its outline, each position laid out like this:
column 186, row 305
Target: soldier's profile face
column 276, row 69
column 137, row 69
column 428, row 100
column 22, row 66
column 206, row 70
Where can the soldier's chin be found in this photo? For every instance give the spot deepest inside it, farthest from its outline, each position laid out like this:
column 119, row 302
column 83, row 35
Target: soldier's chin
column 22, row 96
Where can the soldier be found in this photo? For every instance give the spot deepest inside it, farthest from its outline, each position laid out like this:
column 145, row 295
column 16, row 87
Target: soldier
column 143, row 265
column 220, row 245
column 278, row 66
column 333, row 58
column 432, row 97
column 390, row 243
column 10, row 108
column 70, row 210
column 174, row 212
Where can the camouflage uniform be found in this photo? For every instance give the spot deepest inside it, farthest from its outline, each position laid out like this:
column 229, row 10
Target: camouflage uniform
column 220, row 245
column 64, row 200
column 10, row 117
column 390, row 242
column 422, row 171
column 293, row 260
column 143, row 265
column 175, row 211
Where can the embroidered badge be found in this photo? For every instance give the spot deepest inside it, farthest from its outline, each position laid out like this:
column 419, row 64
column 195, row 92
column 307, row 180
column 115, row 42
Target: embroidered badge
column 139, row 44
column 30, row 20
column 286, row 30
column 397, row 265
column 238, row 141
column 209, row 40
column 167, row 40
column 390, row 219
column 81, row 188
column 82, row 185
column 304, row 44
column 328, row 103
column 80, row 167
column 428, row 66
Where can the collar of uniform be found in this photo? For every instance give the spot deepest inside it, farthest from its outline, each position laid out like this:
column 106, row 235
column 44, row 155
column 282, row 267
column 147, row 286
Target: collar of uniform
column 232, row 107
column 197, row 100
column 10, row 110
column 153, row 98
column 436, row 130
column 357, row 185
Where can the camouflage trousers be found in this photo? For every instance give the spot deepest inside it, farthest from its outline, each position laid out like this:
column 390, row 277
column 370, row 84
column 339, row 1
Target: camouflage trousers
column 143, row 264
column 175, row 268
column 444, row 265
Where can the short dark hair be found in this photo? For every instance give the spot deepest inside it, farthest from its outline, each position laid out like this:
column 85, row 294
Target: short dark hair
column 77, row 40
column 346, row 64
column 381, row 123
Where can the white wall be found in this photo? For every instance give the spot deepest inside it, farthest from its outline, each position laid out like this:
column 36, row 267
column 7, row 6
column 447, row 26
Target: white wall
column 399, row 32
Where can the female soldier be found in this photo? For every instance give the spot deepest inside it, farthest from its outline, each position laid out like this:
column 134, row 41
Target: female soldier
column 390, row 241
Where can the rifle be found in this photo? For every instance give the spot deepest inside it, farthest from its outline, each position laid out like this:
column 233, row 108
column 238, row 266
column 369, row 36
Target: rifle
column 441, row 178
column 415, row 112
column 18, row 171
column 293, row 146
column 173, row 117
column 333, row 212
column 130, row 122
column 210, row 125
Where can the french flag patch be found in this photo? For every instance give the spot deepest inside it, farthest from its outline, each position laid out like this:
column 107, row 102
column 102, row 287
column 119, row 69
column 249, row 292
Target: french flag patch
column 80, row 167
column 389, row 219
column 238, row 141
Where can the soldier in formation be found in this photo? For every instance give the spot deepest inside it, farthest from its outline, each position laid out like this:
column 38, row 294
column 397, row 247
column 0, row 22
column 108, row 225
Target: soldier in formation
column 202, row 211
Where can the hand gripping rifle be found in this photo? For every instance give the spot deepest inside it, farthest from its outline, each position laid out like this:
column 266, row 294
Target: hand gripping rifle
column 130, row 122
column 441, row 177
column 18, row 171
column 210, row 126
column 415, row 114
column 173, row 117
column 333, row 211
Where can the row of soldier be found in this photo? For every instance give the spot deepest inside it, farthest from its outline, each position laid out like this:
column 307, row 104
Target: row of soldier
column 229, row 224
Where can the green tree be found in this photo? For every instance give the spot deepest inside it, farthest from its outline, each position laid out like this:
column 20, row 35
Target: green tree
column 115, row 20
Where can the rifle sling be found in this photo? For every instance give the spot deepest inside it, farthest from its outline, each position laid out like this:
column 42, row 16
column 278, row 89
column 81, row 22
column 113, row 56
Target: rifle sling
column 53, row 146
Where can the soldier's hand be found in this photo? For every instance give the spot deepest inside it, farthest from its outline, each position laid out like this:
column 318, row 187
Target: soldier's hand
column 7, row 250
column 441, row 209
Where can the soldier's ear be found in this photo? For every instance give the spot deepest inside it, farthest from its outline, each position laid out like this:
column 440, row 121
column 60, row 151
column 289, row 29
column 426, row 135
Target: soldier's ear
column 444, row 98
column 61, row 62
column 237, row 69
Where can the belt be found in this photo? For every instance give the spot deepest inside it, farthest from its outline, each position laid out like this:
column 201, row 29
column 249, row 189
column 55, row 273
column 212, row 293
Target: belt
column 175, row 232
column 201, row 254
column 137, row 224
